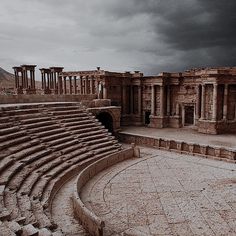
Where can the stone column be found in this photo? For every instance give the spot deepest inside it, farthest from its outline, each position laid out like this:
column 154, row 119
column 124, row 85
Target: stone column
column 139, row 100
column 225, row 105
column 131, row 99
column 86, row 85
column 91, row 85
column 16, row 78
column 48, row 81
column 59, row 84
column 153, row 101
column 203, row 102
column 65, row 92
column 162, row 101
column 197, row 102
column 81, row 84
column 215, row 102
column 70, row 85
column 75, row 85
column 168, row 100
column 104, row 91
column 124, row 99
column 55, row 81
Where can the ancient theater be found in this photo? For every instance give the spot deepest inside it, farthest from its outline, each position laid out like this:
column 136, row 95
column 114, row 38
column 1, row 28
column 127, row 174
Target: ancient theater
column 109, row 153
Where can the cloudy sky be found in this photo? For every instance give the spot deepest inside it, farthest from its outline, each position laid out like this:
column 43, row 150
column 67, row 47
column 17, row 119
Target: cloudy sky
column 119, row 35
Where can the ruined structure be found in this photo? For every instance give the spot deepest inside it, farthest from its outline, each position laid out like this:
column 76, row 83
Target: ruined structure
column 202, row 98
column 59, row 160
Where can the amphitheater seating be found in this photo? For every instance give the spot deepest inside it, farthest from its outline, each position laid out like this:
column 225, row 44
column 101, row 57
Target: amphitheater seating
column 39, row 145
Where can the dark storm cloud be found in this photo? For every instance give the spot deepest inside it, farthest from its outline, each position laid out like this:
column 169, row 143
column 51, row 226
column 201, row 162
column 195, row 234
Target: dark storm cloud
column 147, row 35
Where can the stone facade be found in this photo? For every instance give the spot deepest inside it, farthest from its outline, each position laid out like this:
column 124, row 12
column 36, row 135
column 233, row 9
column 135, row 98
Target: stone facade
column 200, row 98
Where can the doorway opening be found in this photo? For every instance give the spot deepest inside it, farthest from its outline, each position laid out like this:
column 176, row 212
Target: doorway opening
column 147, row 117
column 188, row 115
column 106, row 119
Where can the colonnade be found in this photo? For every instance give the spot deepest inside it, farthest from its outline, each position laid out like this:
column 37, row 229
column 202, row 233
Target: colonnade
column 25, row 79
column 69, row 84
column 201, row 102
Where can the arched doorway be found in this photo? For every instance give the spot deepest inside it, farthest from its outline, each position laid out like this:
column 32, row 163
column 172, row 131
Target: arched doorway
column 106, row 119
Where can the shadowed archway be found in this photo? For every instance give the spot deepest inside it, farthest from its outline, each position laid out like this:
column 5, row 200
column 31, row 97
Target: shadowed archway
column 106, row 119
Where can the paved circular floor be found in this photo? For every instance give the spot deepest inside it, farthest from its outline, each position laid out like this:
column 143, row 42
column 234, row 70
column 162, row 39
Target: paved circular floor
column 164, row 193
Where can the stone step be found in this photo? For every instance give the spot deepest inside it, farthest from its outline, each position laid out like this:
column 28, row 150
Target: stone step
column 16, row 112
column 27, row 152
column 63, row 117
column 66, row 108
column 13, row 142
column 34, row 120
column 79, row 120
column 74, row 125
column 4, row 125
column 22, row 146
column 52, row 138
column 35, row 156
column 93, row 136
column 71, row 148
column 73, row 111
column 103, row 154
column 5, row 131
column 26, row 211
column 39, row 124
column 10, row 202
column 10, row 136
column 14, row 227
column 101, row 145
column 40, row 216
column 105, row 149
column 65, row 146
column 85, row 130
column 59, row 139
column 29, row 230
column 5, row 231
column 75, row 153
column 97, row 141
column 48, row 133
column 45, row 232
column 7, row 174
column 42, row 129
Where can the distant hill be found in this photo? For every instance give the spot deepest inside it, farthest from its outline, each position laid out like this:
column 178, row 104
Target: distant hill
column 7, row 81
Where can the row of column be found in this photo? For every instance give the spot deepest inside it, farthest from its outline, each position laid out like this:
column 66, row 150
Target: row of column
column 162, row 101
column 215, row 102
column 131, row 98
column 77, row 85
column 25, row 79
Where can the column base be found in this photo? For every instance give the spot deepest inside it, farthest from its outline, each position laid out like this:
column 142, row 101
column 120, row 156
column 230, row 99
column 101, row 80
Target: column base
column 30, row 91
column 158, row 122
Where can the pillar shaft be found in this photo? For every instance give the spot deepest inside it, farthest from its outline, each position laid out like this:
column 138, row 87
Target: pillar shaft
column 215, row 102
column 65, row 85
column 75, row 85
column 225, row 106
column 197, row 102
column 203, row 102
column 168, row 100
column 81, row 84
column 104, row 92
column 153, row 101
column 70, row 85
column 139, row 100
column 131, row 99
column 124, row 99
column 91, row 85
column 162, row 101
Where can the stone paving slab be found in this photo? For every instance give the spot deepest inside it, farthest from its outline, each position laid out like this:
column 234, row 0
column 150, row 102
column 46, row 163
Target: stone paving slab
column 188, row 135
column 164, row 193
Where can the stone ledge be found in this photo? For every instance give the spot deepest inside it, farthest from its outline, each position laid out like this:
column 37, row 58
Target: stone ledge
column 213, row 152
column 93, row 224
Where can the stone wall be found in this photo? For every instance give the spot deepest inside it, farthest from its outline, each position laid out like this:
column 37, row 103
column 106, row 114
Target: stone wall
column 36, row 98
column 93, row 224
column 213, row 152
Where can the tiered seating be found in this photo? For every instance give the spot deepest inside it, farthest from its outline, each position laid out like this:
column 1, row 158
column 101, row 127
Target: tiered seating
column 39, row 145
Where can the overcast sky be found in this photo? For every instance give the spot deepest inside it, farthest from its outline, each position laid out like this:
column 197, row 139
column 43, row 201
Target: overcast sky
column 118, row 35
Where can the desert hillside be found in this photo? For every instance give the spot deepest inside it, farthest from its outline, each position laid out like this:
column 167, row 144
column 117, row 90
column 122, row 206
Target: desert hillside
column 7, row 81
